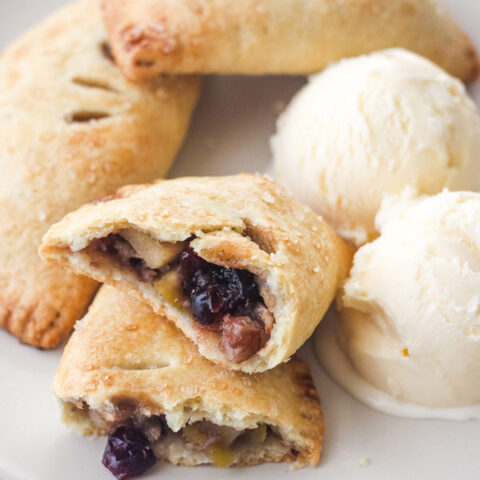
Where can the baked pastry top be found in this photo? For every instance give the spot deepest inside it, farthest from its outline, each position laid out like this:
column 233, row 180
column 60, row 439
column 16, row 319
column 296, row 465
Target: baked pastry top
column 278, row 36
column 242, row 268
column 126, row 366
column 72, row 129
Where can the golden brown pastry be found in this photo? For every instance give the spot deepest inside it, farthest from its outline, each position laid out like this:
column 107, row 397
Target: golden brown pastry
column 242, row 268
column 126, row 367
column 278, row 36
column 72, row 129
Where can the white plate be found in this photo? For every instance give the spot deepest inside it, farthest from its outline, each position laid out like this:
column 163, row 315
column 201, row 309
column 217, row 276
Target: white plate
column 230, row 134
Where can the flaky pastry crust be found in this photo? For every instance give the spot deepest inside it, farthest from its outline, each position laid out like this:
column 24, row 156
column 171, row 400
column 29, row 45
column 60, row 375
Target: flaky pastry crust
column 124, row 358
column 72, row 129
column 243, row 221
column 278, row 36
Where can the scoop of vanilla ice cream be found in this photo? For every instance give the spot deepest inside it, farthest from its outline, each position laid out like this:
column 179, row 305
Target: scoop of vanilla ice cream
column 372, row 125
column 410, row 310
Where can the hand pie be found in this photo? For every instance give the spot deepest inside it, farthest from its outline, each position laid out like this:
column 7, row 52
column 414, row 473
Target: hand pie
column 128, row 373
column 242, row 268
column 278, row 36
column 71, row 130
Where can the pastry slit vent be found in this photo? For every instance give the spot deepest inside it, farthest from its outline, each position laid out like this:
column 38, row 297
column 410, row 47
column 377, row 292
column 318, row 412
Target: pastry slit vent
column 106, row 51
column 92, row 83
column 85, row 116
column 220, row 445
column 220, row 301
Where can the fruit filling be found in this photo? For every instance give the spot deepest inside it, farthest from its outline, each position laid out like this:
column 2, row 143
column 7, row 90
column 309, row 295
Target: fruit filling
column 132, row 449
column 116, row 246
column 223, row 300
column 227, row 301
column 128, row 453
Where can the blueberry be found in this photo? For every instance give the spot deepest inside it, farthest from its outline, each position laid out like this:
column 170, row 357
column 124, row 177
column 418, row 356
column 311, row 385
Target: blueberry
column 201, row 305
column 215, row 291
column 128, row 453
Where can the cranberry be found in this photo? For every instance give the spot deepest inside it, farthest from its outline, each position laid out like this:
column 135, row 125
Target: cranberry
column 215, row 291
column 128, row 453
column 190, row 262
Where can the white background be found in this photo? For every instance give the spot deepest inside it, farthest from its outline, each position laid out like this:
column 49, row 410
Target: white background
column 230, row 134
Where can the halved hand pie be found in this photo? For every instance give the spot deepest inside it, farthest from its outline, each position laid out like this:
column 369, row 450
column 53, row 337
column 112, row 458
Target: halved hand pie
column 128, row 373
column 278, row 36
column 242, row 268
column 72, row 129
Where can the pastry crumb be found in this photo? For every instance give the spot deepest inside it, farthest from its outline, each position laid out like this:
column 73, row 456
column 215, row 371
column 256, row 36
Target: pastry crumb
column 365, row 462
